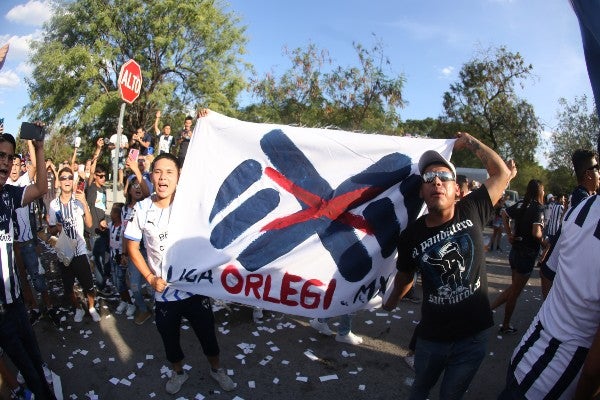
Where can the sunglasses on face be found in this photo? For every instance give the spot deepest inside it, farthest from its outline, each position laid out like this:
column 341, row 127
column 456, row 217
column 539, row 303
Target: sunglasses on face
column 101, row 176
column 66, row 178
column 7, row 157
column 445, row 176
column 594, row 167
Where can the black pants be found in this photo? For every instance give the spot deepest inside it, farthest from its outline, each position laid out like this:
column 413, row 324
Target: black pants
column 18, row 341
column 198, row 311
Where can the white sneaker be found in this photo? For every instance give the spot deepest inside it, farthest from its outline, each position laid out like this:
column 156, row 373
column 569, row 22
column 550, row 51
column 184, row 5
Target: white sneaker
column 20, row 378
column 175, row 382
column 79, row 313
column 130, row 310
column 94, row 314
column 410, row 361
column 350, row 338
column 322, row 327
column 121, row 307
column 224, row 381
column 257, row 314
column 47, row 373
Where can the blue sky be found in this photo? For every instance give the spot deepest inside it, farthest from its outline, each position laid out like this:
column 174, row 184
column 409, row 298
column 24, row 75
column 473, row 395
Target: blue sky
column 426, row 41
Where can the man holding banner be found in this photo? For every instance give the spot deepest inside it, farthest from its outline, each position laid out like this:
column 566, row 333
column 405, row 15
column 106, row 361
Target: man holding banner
column 447, row 246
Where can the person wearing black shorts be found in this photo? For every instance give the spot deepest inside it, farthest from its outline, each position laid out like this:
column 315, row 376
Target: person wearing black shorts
column 526, row 241
column 68, row 213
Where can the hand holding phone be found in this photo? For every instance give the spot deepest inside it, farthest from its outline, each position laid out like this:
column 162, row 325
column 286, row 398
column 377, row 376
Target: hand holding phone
column 81, row 185
column 133, row 154
column 32, row 131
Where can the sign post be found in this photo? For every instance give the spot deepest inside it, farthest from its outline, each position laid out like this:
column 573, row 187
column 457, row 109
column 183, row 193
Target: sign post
column 130, row 86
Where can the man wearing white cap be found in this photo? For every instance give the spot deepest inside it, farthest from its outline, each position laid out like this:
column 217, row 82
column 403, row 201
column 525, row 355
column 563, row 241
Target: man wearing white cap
column 447, row 246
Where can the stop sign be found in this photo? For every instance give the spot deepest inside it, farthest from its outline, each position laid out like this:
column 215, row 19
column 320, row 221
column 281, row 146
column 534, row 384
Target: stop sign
column 130, row 81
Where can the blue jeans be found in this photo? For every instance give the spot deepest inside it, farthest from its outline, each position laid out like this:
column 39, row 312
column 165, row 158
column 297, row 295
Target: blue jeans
column 458, row 360
column 119, row 274
column 31, row 263
column 136, row 280
column 18, row 341
column 345, row 324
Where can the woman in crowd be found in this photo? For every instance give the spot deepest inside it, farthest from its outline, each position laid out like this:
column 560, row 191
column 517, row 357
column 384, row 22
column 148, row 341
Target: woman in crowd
column 497, row 226
column 171, row 305
column 526, row 241
column 136, row 280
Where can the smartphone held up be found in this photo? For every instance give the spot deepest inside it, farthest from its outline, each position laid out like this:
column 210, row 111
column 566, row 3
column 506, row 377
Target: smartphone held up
column 133, row 154
column 32, row 131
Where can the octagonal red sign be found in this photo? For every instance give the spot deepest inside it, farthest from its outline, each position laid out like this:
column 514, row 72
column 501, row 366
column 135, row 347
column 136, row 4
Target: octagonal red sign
column 130, row 81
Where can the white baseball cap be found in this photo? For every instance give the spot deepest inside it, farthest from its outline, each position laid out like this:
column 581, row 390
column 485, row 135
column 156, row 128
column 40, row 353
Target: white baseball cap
column 433, row 157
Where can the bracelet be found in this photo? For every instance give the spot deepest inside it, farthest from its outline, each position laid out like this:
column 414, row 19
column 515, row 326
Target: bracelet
column 146, row 277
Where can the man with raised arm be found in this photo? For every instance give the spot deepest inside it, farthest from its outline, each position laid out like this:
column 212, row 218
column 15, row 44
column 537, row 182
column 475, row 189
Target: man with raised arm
column 16, row 334
column 447, row 246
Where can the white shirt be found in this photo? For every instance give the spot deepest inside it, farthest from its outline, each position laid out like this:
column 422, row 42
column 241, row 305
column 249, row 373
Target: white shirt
column 568, row 319
column 115, row 240
column 71, row 216
column 151, row 223
column 164, row 143
column 11, row 197
column 24, row 232
column 124, row 144
column 572, row 309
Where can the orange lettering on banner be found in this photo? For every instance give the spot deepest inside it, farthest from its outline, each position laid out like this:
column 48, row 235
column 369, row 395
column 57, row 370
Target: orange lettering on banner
column 294, row 291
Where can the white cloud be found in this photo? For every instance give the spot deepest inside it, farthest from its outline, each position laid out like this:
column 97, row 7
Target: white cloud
column 447, row 71
column 9, row 79
column 34, row 13
column 20, row 46
column 24, row 68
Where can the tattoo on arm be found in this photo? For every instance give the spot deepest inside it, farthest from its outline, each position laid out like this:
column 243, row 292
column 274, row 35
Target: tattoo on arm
column 475, row 146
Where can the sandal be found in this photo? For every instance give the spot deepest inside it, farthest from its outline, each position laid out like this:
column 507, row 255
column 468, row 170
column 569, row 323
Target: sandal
column 509, row 330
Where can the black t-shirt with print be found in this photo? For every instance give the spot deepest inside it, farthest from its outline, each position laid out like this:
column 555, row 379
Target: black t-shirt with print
column 451, row 259
column 524, row 220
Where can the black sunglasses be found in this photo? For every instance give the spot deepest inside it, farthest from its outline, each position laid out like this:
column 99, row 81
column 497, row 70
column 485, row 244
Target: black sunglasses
column 596, row 167
column 66, row 178
column 444, row 176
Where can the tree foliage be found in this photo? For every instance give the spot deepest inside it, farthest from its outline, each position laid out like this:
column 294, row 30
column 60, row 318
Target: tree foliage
column 484, row 101
column 578, row 128
column 560, row 181
column 189, row 53
column 365, row 97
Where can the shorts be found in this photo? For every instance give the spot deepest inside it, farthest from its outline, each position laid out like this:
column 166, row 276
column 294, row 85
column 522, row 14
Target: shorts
column 79, row 269
column 522, row 260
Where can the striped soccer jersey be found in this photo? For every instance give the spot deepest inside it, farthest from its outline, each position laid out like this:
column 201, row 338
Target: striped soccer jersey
column 547, row 363
column 554, row 219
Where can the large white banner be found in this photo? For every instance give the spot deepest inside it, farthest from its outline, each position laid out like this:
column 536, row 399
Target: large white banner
column 303, row 221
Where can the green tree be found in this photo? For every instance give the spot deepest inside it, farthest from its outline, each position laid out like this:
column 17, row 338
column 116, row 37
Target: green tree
column 577, row 129
column 313, row 92
column 427, row 127
column 484, row 101
column 189, row 53
column 527, row 171
column 560, row 181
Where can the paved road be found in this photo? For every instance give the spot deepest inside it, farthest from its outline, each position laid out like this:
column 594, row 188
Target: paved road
column 280, row 357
